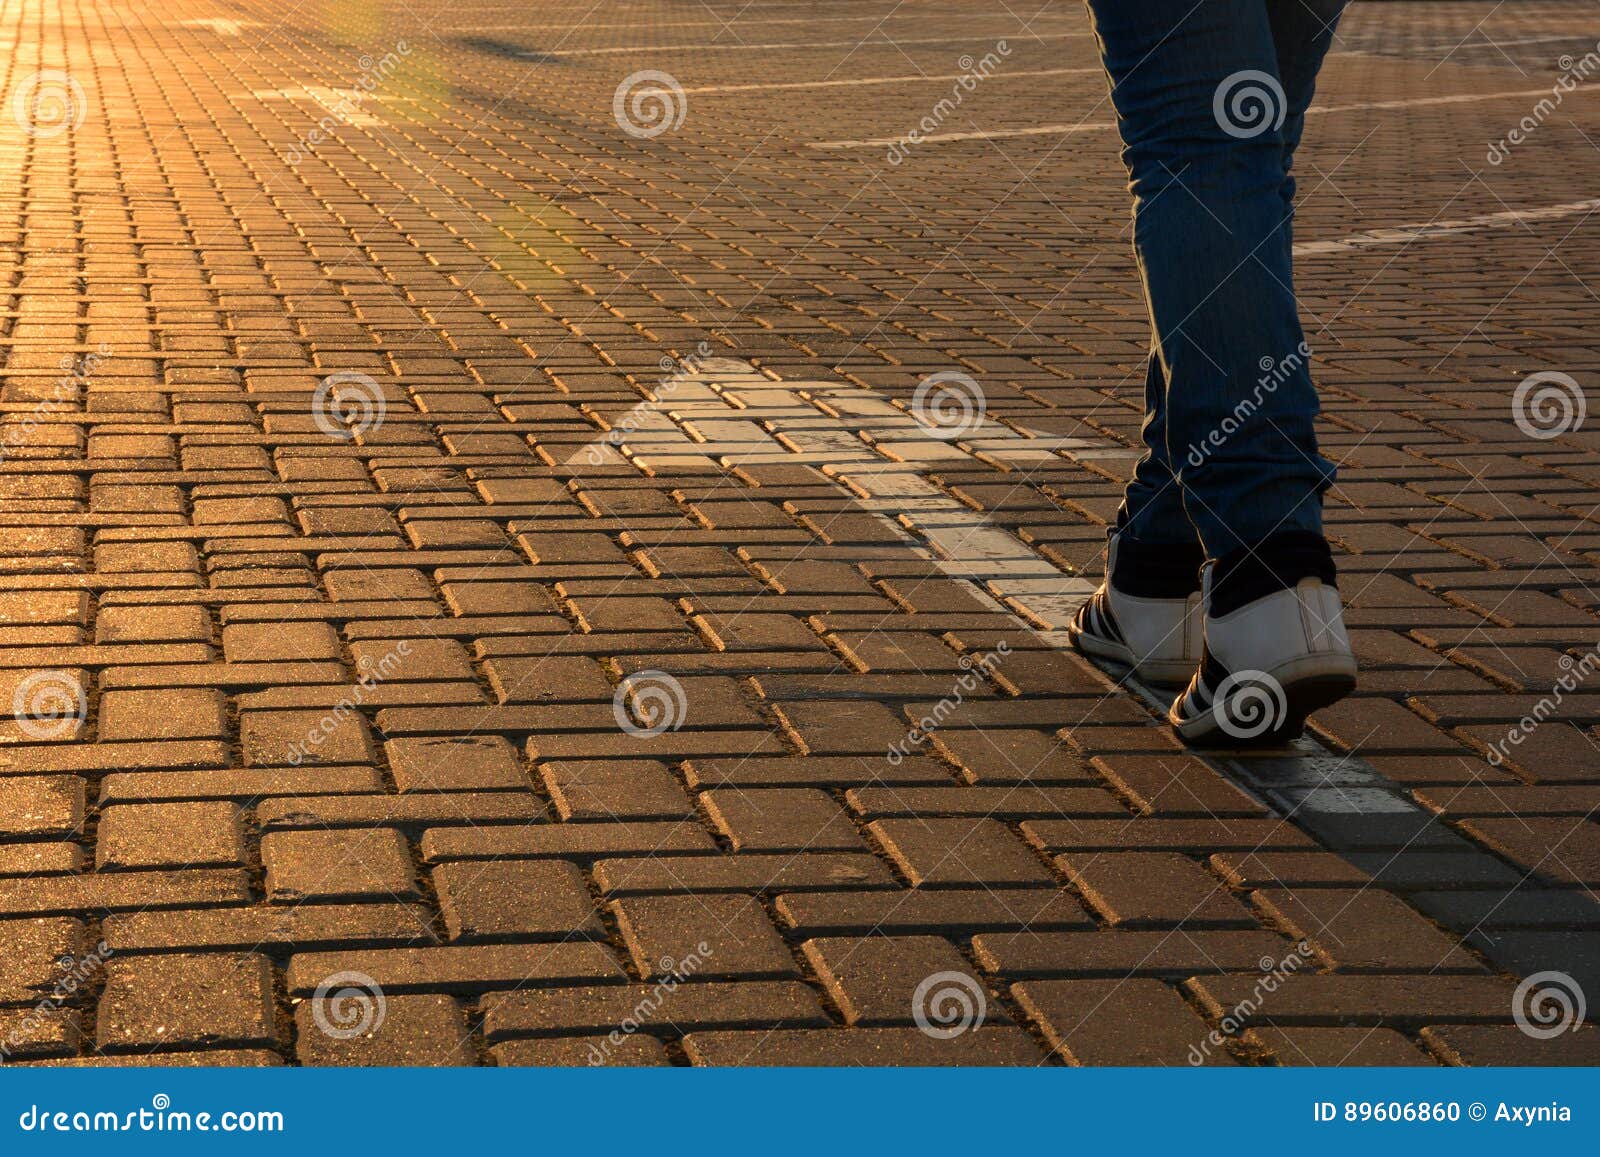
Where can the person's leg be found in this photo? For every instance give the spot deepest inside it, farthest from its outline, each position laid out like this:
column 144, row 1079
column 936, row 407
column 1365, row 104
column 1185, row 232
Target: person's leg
column 1152, row 502
column 1202, row 115
column 1210, row 101
column 1302, row 33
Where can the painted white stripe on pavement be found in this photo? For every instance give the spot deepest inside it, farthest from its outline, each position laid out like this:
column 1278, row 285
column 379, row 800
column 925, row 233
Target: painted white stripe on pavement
column 1000, row 74
column 1101, row 126
column 726, row 411
column 1403, row 234
column 868, row 42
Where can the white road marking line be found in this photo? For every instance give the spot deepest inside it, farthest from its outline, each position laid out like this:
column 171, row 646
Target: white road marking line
column 724, row 411
column 1402, row 234
column 999, row 74
column 868, row 42
column 735, row 23
column 1101, row 126
column 222, row 26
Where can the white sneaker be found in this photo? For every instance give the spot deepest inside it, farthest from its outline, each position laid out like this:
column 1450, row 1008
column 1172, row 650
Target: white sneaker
column 1159, row 638
column 1267, row 666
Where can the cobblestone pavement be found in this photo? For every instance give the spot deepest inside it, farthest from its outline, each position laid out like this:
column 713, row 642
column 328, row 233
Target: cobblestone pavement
column 482, row 587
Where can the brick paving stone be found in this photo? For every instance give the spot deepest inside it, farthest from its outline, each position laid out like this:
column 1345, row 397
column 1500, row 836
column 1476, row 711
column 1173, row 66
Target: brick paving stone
column 988, row 1045
column 455, row 763
column 30, row 967
column 28, row 1034
column 684, row 1008
column 413, row 1030
column 1118, row 1022
column 1184, row 953
column 324, row 926
column 615, row 790
column 1363, row 931
column 141, row 836
column 374, row 864
column 946, row 913
column 781, row 820
column 812, row 871
column 567, row 841
column 33, row 807
column 191, row 1001
column 1472, row 1044
column 636, row 1050
column 1396, row 1001
column 878, row 980
column 726, row 937
column 960, row 853
column 514, row 900
column 1335, row 1047
column 1154, row 890
column 460, row 968
column 187, row 713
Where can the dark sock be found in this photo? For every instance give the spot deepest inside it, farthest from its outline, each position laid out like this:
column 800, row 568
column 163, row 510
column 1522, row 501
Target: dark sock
column 1157, row 570
column 1276, row 563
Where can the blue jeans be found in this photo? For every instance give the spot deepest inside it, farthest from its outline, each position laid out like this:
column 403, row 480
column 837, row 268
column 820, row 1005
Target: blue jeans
column 1210, row 97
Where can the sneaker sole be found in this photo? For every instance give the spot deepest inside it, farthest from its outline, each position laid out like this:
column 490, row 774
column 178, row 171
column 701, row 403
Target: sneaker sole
column 1157, row 673
column 1302, row 697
